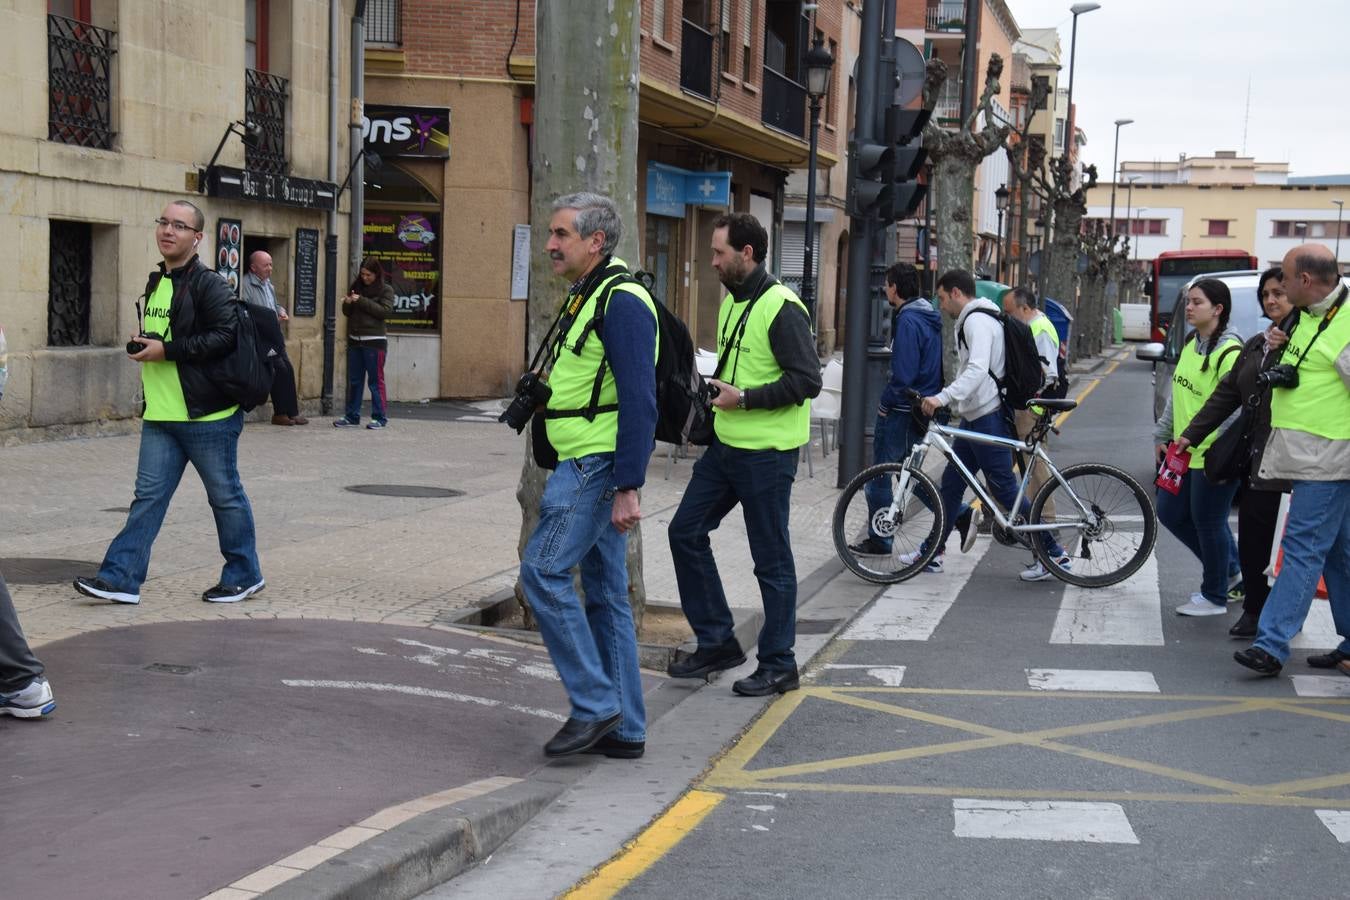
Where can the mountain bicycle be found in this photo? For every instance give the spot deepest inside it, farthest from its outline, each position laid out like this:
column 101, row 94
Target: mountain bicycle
column 1102, row 517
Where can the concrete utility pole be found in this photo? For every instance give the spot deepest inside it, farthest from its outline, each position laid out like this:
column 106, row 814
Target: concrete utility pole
column 585, row 139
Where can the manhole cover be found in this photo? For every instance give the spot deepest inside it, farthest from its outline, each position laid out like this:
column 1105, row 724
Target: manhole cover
column 403, row 490
column 815, row 626
column 38, row 570
column 170, row 669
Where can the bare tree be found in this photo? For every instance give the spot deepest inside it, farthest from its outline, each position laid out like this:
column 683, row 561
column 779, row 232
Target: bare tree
column 1026, row 155
column 585, row 138
column 1067, row 205
column 955, row 155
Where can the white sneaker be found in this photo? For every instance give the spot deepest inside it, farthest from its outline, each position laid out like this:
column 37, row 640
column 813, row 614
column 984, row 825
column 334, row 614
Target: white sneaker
column 968, row 525
column 909, row 559
column 31, row 702
column 1199, row 606
column 1038, row 572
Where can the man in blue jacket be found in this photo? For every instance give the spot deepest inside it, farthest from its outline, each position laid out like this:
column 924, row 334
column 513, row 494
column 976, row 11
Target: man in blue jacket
column 916, row 365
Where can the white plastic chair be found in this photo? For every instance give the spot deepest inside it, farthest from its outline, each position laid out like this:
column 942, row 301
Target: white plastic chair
column 825, row 409
column 832, row 376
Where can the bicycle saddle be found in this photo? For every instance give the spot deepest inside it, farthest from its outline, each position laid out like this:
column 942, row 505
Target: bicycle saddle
column 1059, row 405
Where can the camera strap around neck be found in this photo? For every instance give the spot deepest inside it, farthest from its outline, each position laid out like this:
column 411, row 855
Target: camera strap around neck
column 1323, row 325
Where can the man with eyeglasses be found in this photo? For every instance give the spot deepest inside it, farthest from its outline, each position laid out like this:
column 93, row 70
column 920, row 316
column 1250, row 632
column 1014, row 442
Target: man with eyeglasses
column 190, row 321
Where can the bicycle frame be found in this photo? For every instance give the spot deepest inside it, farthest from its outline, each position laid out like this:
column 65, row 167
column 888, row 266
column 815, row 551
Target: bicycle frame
column 938, row 435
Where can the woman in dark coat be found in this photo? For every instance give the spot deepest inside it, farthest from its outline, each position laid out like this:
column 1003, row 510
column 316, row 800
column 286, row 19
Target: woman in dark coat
column 368, row 303
column 1258, row 500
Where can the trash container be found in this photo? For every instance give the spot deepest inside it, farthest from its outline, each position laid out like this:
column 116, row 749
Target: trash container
column 1060, row 318
column 1118, row 321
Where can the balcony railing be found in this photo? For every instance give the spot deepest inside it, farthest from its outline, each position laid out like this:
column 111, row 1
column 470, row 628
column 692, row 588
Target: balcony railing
column 948, row 105
column 384, row 22
column 265, row 104
column 784, row 104
column 79, row 83
column 946, row 15
column 696, row 58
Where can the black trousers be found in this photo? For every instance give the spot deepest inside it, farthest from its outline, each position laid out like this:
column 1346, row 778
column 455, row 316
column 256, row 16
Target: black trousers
column 285, row 401
column 1257, row 512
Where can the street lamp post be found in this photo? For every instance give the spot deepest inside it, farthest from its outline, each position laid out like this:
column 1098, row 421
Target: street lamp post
column 1077, row 9
column 1001, row 204
column 1115, row 157
column 819, row 63
column 1340, row 207
column 1134, row 232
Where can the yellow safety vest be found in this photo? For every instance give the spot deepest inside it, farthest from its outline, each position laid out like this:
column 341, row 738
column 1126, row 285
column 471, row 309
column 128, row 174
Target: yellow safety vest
column 1320, row 404
column 1192, row 386
column 573, row 380
column 750, row 364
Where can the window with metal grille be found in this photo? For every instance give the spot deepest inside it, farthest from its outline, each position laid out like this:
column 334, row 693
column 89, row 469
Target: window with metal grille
column 79, row 83
column 384, row 23
column 70, row 258
column 265, row 104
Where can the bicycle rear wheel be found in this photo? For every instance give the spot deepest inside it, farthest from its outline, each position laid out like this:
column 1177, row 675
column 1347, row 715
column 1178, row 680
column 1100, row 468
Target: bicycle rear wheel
column 873, row 544
column 1111, row 541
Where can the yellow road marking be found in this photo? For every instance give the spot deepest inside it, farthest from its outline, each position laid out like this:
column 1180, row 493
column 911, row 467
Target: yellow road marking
column 764, row 728
column 652, row 844
column 1087, row 390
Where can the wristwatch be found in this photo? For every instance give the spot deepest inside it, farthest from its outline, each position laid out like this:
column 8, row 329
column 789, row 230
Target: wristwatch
column 740, row 401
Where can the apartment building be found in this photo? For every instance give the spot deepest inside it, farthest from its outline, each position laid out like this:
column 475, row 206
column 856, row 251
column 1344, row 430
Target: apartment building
column 722, row 122
column 115, row 108
column 1224, row 201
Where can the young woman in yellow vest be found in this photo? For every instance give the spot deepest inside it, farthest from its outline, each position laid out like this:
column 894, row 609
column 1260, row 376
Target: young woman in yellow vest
column 1198, row 514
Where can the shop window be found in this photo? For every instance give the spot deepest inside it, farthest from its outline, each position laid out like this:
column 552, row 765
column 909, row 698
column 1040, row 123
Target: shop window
column 661, row 257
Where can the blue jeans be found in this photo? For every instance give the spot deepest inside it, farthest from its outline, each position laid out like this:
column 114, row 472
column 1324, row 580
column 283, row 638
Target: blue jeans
column 594, row 647
column 761, row 482
column 892, row 440
column 365, row 364
column 1316, row 542
column 1198, row 517
column 166, row 449
column 997, row 465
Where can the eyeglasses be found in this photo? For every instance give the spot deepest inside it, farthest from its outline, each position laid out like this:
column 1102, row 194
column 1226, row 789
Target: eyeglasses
column 177, row 226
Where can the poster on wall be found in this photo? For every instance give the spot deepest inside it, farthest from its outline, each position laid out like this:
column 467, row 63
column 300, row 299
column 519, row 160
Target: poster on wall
column 230, row 251
column 408, row 246
column 520, row 263
column 306, row 281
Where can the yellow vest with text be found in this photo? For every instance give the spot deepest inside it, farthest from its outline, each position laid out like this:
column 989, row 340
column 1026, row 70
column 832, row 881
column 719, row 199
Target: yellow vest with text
column 573, row 380
column 751, row 364
column 1192, row 387
column 1320, row 404
column 1042, row 325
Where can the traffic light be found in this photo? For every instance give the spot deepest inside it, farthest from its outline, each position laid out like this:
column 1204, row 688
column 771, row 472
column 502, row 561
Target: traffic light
column 881, row 184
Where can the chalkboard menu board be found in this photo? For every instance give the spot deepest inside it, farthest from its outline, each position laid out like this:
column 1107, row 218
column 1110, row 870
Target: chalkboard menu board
column 306, row 271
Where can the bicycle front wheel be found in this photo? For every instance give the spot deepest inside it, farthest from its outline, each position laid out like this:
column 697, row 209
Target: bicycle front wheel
column 884, row 531
column 1107, row 525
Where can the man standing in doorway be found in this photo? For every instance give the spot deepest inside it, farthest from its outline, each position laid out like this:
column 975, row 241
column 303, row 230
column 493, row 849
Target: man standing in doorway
column 258, row 290
column 191, row 321
column 762, row 416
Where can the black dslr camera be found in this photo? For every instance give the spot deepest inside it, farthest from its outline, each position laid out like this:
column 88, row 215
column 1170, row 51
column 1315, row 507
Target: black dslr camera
column 1281, row 375
column 134, row 347
column 532, row 392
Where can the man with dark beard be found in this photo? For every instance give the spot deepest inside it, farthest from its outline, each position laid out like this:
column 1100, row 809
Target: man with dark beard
column 767, row 372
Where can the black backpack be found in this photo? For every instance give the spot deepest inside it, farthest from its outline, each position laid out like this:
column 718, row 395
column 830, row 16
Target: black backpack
column 1023, row 376
column 683, row 413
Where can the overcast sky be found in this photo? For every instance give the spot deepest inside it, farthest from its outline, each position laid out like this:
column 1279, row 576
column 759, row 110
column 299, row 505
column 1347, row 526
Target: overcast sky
column 1180, row 69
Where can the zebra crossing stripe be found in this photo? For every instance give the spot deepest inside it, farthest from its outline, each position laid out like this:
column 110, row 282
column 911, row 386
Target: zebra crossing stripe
column 1337, row 822
column 1093, row 680
column 890, row 676
column 1043, row 820
column 1129, row 613
column 912, row 610
column 1321, row 685
column 1319, row 629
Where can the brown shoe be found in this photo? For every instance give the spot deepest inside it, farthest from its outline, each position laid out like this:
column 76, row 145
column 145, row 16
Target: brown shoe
column 299, row 420
column 282, row 420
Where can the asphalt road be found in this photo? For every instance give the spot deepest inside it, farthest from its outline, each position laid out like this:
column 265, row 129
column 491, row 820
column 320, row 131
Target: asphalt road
column 981, row 746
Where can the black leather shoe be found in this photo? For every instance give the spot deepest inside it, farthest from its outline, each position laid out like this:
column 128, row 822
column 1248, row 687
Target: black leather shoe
column 702, row 663
column 1245, row 626
column 615, row 748
column 1328, row 660
column 577, row 736
column 870, row 546
column 762, row 683
column 1258, row 661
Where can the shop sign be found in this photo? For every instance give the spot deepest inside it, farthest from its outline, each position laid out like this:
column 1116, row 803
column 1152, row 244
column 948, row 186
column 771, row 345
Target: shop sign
column 670, row 189
column 406, row 130
column 408, row 246
column 229, row 183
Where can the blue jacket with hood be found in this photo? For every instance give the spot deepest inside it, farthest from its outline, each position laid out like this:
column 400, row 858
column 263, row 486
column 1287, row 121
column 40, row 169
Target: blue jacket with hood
column 916, row 354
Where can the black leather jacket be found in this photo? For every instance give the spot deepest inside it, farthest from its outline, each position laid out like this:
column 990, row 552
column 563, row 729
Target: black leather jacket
column 204, row 318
